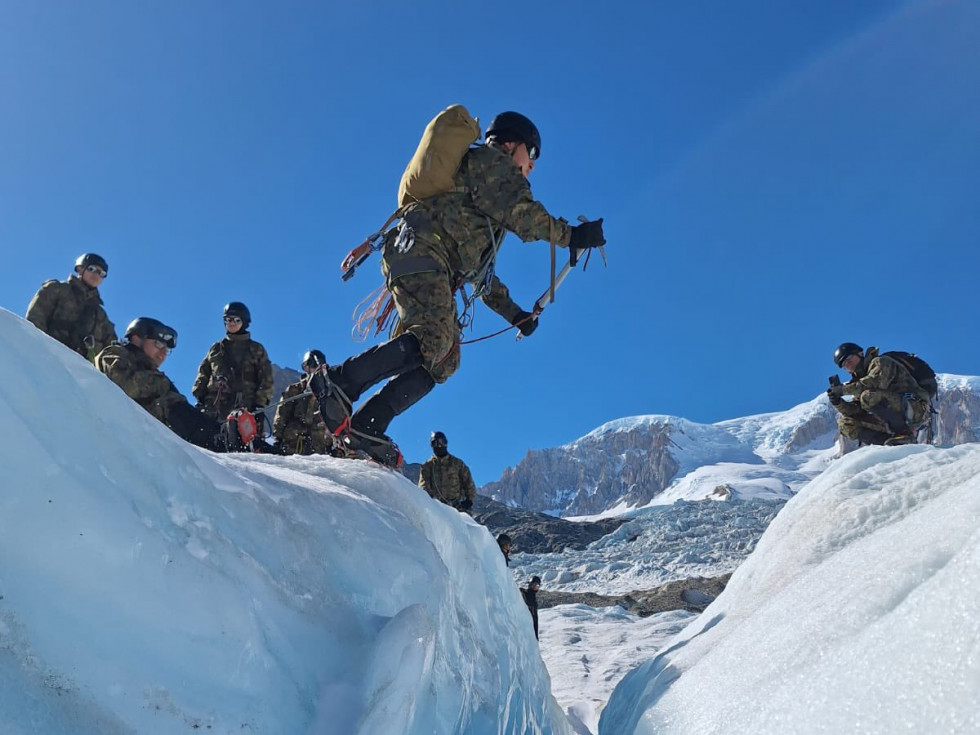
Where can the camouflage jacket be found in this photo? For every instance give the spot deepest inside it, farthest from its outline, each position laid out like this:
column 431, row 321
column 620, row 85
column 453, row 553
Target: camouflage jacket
column 72, row 313
column 247, row 370
column 128, row 367
column 297, row 428
column 447, row 479
column 882, row 373
column 458, row 232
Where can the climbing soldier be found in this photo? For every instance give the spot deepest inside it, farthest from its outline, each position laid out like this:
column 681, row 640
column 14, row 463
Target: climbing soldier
column 889, row 404
column 71, row 311
column 445, row 241
column 447, row 478
column 296, row 428
column 236, row 373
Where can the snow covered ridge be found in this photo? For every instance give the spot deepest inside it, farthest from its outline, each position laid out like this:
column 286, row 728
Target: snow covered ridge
column 859, row 611
column 147, row 586
column 643, row 460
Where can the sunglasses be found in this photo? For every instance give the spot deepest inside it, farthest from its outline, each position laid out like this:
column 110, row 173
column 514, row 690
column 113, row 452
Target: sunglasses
column 532, row 151
column 96, row 269
column 233, row 320
column 166, row 340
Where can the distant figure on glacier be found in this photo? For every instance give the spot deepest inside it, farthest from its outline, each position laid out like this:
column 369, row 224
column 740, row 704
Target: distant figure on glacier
column 447, row 478
column 531, row 599
column 448, row 237
column 134, row 365
column 71, row 311
column 506, row 544
column 889, row 405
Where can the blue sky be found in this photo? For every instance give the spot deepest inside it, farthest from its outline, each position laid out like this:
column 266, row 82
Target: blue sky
column 775, row 177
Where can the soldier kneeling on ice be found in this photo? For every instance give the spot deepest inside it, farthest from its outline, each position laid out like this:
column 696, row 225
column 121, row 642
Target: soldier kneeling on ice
column 447, row 478
column 888, row 403
column 134, row 365
column 297, row 428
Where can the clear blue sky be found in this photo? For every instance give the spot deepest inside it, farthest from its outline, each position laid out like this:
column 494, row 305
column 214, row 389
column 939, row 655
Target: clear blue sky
column 776, row 178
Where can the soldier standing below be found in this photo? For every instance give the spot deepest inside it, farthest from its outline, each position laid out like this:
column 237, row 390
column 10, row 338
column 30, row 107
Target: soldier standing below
column 236, row 372
column 447, row 478
column 134, row 365
column 887, row 397
column 297, row 428
column 443, row 242
column 531, row 599
column 71, row 311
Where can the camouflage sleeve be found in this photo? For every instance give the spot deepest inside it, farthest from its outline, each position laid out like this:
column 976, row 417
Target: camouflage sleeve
column 284, row 412
column 466, row 483
column 263, row 394
column 43, row 304
column 140, row 385
column 425, row 477
column 500, row 301
column 105, row 330
column 849, row 408
column 884, row 374
column 500, row 191
column 203, row 379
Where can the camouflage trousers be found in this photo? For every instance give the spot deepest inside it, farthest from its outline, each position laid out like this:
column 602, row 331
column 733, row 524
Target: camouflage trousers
column 862, row 417
column 426, row 306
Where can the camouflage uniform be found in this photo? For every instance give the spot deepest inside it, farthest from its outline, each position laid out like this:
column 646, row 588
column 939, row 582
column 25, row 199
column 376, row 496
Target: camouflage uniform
column 72, row 313
column 451, row 239
column 127, row 366
column 246, row 367
column 877, row 380
column 448, row 480
column 297, row 428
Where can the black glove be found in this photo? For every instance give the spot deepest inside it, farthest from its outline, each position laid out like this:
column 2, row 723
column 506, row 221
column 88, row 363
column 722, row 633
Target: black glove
column 526, row 322
column 834, row 393
column 587, row 235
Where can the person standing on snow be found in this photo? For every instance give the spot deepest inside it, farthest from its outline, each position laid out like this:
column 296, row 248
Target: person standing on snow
column 443, row 242
column 71, row 311
column 447, row 478
column 880, row 385
column 296, row 427
column 236, row 372
column 530, row 595
column 506, row 544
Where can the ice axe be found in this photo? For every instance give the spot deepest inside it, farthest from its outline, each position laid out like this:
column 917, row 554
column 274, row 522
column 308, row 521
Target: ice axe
column 548, row 295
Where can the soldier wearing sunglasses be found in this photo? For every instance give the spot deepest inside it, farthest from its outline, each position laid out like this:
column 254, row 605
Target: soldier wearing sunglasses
column 71, row 311
column 134, row 365
column 444, row 243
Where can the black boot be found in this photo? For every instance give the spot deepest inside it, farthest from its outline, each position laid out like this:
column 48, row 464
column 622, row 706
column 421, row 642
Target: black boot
column 369, row 424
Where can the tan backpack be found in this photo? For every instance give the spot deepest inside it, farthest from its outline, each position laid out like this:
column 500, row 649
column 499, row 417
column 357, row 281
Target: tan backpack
column 444, row 143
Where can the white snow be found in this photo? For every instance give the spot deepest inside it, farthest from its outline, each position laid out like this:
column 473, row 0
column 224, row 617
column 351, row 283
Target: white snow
column 858, row 612
column 147, row 586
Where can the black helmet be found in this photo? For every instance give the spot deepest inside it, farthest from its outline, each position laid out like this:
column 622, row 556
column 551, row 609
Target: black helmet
column 845, row 351
column 237, row 308
column 313, row 358
column 87, row 259
column 535, row 580
column 513, row 126
column 504, row 539
column 150, row 328
column 438, row 438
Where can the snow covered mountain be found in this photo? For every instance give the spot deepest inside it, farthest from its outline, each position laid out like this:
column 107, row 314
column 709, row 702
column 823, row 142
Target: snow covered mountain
column 633, row 462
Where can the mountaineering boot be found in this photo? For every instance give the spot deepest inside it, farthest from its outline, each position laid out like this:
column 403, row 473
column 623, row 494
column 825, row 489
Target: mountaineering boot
column 900, row 439
column 870, row 436
column 333, row 405
column 369, row 424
